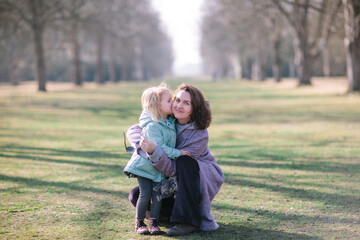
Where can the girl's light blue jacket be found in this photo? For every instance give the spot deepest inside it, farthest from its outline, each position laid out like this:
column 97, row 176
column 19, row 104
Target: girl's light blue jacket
column 163, row 133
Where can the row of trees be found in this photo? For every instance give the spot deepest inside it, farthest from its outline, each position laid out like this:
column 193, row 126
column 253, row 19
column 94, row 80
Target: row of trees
column 97, row 40
column 251, row 38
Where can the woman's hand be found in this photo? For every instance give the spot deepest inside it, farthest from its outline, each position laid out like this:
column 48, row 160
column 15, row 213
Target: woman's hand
column 147, row 145
column 183, row 152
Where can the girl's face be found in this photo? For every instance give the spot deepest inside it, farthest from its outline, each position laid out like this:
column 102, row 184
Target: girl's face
column 182, row 107
column 165, row 104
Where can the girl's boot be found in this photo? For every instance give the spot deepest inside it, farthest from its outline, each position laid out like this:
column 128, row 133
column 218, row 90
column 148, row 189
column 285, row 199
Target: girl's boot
column 154, row 226
column 140, row 227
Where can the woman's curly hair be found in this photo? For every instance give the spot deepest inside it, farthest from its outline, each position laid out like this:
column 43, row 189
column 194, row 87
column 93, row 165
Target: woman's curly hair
column 201, row 113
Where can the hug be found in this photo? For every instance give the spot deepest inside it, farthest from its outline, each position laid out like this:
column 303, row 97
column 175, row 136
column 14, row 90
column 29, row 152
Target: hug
column 171, row 139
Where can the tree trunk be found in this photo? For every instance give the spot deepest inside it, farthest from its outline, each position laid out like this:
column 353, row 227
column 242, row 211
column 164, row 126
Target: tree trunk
column 13, row 66
column 292, row 70
column 236, row 66
column 99, row 78
column 326, row 62
column 112, row 70
column 353, row 63
column 263, row 66
column 13, row 76
column 277, row 61
column 303, row 62
column 304, row 71
column 76, row 57
column 112, row 62
column 37, row 27
column 124, row 74
column 248, row 68
column 256, row 71
column 39, row 53
column 352, row 43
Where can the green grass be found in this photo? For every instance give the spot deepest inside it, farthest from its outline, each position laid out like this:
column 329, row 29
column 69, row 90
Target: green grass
column 290, row 159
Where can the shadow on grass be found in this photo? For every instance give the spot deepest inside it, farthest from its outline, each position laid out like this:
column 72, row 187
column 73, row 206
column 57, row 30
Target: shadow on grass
column 46, row 154
column 280, row 217
column 288, row 117
column 320, row 166
column 228, row 231
column 33, row 183
column 59, row 161
column 346, row 202
column 58, row 152
column 21, row 153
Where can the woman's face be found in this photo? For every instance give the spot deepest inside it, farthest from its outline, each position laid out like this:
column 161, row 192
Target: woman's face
column 182, row 107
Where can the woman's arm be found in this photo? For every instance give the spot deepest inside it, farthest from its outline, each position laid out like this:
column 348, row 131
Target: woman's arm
column 133, row 134
column 158, row 157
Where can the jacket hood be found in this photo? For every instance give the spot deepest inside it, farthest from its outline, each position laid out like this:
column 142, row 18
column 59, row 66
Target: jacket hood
column 145, row 118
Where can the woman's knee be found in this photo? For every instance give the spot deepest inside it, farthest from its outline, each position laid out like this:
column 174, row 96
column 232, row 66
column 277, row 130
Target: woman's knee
column 134, row 195
column 187, row 164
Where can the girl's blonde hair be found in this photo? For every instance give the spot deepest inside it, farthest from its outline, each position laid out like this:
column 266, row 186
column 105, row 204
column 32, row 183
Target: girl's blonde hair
column 151, row 99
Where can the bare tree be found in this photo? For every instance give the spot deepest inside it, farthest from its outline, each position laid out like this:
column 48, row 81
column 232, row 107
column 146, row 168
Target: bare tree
column 14, row 44
column 237, row 35
column 125, row 35
column 221, row 48
column 75, row 18
column 72, row 19
column 309, row 43
column 36, row 14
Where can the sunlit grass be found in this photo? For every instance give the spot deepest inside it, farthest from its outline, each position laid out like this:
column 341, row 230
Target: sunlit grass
column 290, row 158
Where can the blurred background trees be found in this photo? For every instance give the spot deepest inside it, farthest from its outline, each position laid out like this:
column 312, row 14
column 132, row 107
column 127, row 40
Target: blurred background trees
column 81, row 40
column 113, row 40
column 256, row 39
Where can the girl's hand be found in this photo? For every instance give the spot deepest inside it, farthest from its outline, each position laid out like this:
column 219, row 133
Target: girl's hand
column 147, row 145
column 183, row 152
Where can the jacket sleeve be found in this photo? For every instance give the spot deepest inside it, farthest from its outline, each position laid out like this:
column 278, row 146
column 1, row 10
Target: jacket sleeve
column 134, row 135
column 152, row 133
column 196, row 144
column 164, row 164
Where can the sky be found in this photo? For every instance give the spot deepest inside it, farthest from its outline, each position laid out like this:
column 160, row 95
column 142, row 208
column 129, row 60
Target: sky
column 181, row 18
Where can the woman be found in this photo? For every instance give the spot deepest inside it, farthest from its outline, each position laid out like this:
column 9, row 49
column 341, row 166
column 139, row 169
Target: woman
column 199, row 178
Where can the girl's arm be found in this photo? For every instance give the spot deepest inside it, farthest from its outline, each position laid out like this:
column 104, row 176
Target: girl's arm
column 152, row 133
column 158, row 157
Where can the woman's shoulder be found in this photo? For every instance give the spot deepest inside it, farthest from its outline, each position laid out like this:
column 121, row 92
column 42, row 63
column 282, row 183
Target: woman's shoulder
column 195, row 134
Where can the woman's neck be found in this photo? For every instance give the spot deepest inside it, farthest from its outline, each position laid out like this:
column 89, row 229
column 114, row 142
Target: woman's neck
column 183, row 121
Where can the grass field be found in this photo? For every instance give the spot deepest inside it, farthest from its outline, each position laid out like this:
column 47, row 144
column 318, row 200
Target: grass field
column 291, row 159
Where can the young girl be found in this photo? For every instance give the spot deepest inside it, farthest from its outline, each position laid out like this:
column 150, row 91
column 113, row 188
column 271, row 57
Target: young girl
column 160, row 128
